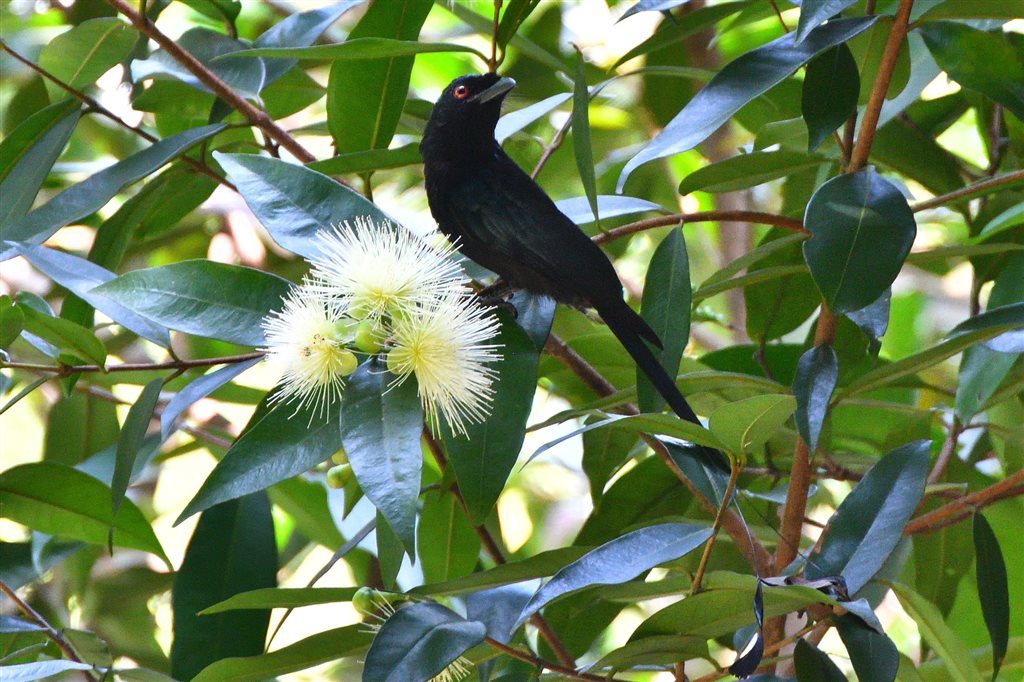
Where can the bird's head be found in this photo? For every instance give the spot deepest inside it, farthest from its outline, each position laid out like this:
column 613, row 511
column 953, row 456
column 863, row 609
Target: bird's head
column 467, row 111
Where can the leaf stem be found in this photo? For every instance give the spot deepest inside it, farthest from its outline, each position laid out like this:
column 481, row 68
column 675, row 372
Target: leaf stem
column 948, row 514
column 492, row 63
column 726, row 498
column 701, row 217
column 542, row 664
column 999, row 180
column 67, row 370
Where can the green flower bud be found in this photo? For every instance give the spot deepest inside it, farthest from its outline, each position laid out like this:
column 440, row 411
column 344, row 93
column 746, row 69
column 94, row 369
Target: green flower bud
column 364, row 601
column 368, row 337
column 338, row 476
column 347, row 363
column 340, row 457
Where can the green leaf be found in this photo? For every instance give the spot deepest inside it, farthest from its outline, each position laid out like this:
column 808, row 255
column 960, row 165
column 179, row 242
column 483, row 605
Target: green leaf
column 66, row 336
column 283, row 443
column 993, row 592
column 129, row 443
column 201, row 297
column 299, row 30
column 12, row 321
column 747, row 170
column 380, row 431
column 990, row 62
column 448, row 545
column 282, row 598
column 1009, row 317
column 937, row 634
column 578, row 210
column 364, row 104
column 869, row 523
column 25, row 672
column 604, row 451
column 874, row 656
column 293, row 202
column 306, row 653
column 672, row 32
column 390, row 552
column 291, row 93
column 582, row 145
column 739, row 82
column 988, row 9
column 28, row 154
column 87, row 197
column 830, row 92
column 779, row 305
column 196, row 390
column 484, row 457
column 80, row 56
column 419, row 642
column 537, row 566
column 515, row 121
column 246, row 76
column 513, row 16
column 369, row 160
column 358, row 49
column 657, row 650
column 814, row 13
column 816, row 378
column 861, row 231
column 745, row 425
column 231, row 551
column 59, row 500
column 622, row 559
column 905, row 148
column 814, row 665
column 868, row 48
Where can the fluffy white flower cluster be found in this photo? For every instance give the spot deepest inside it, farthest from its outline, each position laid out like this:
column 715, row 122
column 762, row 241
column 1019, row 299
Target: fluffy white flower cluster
column 377, row 288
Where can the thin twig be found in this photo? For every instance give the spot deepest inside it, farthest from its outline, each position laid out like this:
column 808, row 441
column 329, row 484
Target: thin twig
column 701, row 217
column 1011, row 486
column 726, row 499
column 946, row 453
column 1015, row 176
column 492, row 63
column 541, row 664
column 779, row 15
column 67, row 370
column 50, row 631
column 555, row 143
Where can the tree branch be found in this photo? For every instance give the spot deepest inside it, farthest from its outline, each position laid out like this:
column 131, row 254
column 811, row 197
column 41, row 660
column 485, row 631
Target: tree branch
column 1011, row 486
column 701, row 217
column 541, row 664
column 67, row 370
column 999, row 180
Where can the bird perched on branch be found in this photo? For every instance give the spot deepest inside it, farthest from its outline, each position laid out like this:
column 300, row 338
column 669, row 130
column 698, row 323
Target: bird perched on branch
column 499, row 217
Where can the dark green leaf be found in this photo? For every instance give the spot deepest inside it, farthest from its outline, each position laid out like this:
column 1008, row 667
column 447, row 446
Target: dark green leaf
column 813, row 13
column 873, row 319
column 484, row 457
column 874, row 656
column 582, row 145
column 990, row 62
column 80, row 277
column 814, row 665
column 622, row 559
column 701, row 468
column 133, row 432
column 743, row 426
column 358, row 49
column 829, row 93
column 292, row 92
column 66, row 336
column 381, row 430
column 418, row 643
column 306, row 653
column 88, row 196
column 246, row 76
column 816, row 378
column 515, row 13
column 960, row 667
column 515, row 121
column 861, row 231
column 299, row 30
column 231, row 551
column 28, row 154
column 905, row 148
column 292, row 202
column 993, row 592
column 747, row 170
column 59, row 500
column 282, row 598
column 196, row 390
column 25, row 672
column 665, row 306
column 371, row 159
column 390, row 552
column 201, row 297
column 604, row 451
column 448, row 545
column 868, row 524
column 578, row 210
column 1009, row 317
column 540, row 565
column 739, row 82
column 868, row 48
column 364, row 104
column 12, row 321
column 281, row 444
column 672, row 32
column 80, row 56
column 987, row 9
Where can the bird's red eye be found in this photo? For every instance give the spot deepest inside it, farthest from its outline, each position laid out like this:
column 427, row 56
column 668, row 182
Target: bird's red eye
column 461, row 91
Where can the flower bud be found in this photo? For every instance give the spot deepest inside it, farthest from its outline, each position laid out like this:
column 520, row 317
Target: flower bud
column 339, row 475
column 368, row 337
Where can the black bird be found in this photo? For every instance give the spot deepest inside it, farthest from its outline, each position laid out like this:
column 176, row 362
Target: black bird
column 499, row 217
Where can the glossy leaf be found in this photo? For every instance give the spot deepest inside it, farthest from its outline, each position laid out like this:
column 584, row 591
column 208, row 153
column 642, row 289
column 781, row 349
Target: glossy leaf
column 418, row 643
column 197, row 390
column 582, row 144
column 59, row 500
column 322, row 647
column 608, row 206
column 214, row 51
column 665, row 306
column 381, row 431
column 620, row 560
column 813, row 13
column 299, row 30
column 449, row 547
column 282, row 598
column 12, row 321
column 993, row 591
column 232, row 550
column 380, row 86
column 989, row 62
column 358, row 49
column 66, row 336
column 483, row 459
column 861, row 231
column 816, row 378
column 130, row 442
column 874, row 656
column 814, row 665
column 779, row 305
column 739, row 82
column 201, row 297
column 830, row 91
column 39, row 670
column 747, row 170
column 80, row 56
column 282, row 443
column 369, row 160
column 292, row 202
column 88, row 196
column 745, row 425
column 28, row 154
column 515, row 121
column 672, row 32
column 537, row 566
column 604, row 451
column 869, row 523
column 960, row 667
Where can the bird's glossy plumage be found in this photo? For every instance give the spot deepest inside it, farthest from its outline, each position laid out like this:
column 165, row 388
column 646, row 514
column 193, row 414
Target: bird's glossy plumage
column 499, row 217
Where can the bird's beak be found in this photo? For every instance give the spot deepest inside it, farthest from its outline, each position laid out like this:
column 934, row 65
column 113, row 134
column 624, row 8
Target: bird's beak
column 503, row 85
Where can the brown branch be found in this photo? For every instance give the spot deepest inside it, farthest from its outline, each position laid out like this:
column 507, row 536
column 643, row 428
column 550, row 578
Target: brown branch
column 67, row 370
column 555, row 143
column 946, row 453
column 542, row 664
column 1011, row 486
column 95, row 106
column 50, row 631
column 253, row 114
column 701, row 217
column 726, row 499
column 868, row 125
column 492, row 548
column 1015, row 176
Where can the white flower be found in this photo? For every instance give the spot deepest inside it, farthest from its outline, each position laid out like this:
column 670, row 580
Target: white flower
column 442, row 343
column 382, row 269
column 304, row 338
